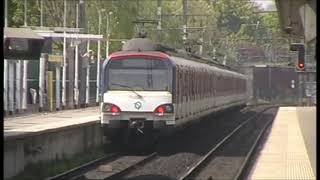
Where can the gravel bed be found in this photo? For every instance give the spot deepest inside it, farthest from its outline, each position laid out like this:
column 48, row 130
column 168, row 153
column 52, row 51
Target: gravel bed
column 180, row 151
column 107, row 169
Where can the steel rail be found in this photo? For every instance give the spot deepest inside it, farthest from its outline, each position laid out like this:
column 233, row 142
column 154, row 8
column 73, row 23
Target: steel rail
column 251, row 151
column 130, row 168
column 77, row 171
column 196, row 167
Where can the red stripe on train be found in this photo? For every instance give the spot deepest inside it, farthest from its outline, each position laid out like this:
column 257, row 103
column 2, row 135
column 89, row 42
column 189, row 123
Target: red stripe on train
column 157, row 55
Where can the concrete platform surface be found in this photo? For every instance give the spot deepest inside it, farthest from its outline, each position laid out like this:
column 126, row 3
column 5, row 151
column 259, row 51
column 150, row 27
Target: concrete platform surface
column 18, row 127
column 284, row 154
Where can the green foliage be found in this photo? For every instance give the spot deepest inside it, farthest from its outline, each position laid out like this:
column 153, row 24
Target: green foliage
column 228, row 22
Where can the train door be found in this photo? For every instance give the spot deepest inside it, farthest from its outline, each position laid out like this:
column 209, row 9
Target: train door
column 180, row 92
column 188, row 91
column 193, row 90
column 212, row 89
column 218, row 89
column 183, row 91
column 177, row 92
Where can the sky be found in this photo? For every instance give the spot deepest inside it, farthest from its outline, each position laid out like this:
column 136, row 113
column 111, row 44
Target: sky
column 266, row 4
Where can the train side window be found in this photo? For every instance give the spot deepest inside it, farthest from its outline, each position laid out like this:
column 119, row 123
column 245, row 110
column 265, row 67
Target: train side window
column 217, row 84
column 204, row 83
column 220, row 84
column 201, row 85
column 226, row 84
column 192, row 83
column 188, row 84
column 208, row 83
column 242, row 86
column 178, row 84
column 237, row 87
column 197, row 83
column 181, row 85
column 212, row 83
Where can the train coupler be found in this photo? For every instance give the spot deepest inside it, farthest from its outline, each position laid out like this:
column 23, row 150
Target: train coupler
column 137, row 125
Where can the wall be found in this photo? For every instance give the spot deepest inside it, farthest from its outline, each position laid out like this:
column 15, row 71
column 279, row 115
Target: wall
column 49, row 146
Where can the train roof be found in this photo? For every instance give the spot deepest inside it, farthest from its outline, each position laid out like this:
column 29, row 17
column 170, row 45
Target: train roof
column 185, row 62
column 148, row 48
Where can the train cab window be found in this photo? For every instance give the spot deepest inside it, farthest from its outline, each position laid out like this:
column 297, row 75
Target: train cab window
column 139, row 74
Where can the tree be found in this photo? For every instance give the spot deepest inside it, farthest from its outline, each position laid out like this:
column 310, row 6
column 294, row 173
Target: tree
column 228, row 22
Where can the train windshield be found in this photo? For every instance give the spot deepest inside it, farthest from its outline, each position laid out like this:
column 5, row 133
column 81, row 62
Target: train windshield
column 139, row 74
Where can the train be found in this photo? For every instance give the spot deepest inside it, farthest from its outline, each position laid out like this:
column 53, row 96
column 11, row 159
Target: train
column 146, row 90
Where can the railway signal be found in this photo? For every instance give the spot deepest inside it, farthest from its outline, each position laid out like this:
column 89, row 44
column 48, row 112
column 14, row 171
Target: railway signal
column 300, row 47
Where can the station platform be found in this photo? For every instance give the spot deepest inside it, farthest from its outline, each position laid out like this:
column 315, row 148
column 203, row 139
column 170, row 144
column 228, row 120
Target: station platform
column 289, row 151
column 48, row 137
column 21, row 126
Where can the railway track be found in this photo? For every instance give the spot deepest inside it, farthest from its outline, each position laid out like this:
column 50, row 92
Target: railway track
column 200, row 170
column 120, row 166
column 178, row 157
column 107, row 167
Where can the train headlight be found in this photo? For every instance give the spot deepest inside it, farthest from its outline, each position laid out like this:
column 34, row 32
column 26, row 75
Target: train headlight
column 165, row 108
column 107, row 107
column 168, row 108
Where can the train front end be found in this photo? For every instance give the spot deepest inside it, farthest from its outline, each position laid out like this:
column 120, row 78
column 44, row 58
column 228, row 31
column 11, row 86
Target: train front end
column 137, row 94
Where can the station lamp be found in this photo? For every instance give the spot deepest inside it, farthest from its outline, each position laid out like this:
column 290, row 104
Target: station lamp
column 300, row 47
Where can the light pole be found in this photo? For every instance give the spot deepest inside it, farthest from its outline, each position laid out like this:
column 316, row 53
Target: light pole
column 108, row 35
column 98, row 60
column 76, row 66
column 88, row 71
column 5, row 81
column 41, row 13
column 64, row 68
column 25, row 13
column 6, row 13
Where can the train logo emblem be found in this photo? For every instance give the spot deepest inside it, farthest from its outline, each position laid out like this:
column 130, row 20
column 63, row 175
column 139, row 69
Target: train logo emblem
column 137, row 105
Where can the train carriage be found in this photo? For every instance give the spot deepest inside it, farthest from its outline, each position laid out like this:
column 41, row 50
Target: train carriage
column 147, row 90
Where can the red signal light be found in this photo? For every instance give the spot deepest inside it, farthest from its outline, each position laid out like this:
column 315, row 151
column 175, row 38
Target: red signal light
column 160, row 109
column 164, row 108
column 301, row 65
column 115, row 109
column 108, row 107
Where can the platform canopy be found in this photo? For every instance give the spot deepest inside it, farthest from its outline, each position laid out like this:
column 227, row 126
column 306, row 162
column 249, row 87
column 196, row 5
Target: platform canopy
column 53, row 35
column 24, row 33
column 21, row 44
